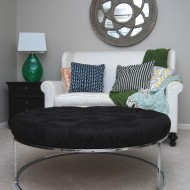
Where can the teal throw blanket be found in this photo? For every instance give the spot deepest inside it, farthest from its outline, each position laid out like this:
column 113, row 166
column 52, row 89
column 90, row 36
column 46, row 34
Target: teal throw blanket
column 154, row 99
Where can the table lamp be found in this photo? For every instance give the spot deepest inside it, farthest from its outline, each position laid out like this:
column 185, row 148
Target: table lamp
column 32, row 69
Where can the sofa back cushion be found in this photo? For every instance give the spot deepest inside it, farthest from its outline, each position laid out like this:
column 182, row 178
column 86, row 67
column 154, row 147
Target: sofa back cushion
column 111, row 59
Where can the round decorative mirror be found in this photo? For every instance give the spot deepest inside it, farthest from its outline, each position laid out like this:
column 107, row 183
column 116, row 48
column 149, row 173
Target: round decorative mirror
column 123, row 22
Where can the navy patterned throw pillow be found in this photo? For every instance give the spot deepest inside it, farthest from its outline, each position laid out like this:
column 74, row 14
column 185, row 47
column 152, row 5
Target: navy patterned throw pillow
column 86, row 78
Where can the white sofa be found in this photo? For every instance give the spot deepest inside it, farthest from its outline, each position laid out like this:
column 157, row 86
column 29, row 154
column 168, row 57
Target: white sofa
column 55, row 95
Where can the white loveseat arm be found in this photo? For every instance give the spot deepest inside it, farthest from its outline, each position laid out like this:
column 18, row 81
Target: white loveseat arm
column 50, row 90
column 172, row 91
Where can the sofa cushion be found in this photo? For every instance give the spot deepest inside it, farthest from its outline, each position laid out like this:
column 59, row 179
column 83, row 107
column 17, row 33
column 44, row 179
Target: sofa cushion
column 158, row 75
column 83, row 99
column 86, row 78
column 133, row 77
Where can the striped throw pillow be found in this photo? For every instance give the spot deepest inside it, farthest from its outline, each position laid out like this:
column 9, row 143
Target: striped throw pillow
column 86, row 78
column 133, row 77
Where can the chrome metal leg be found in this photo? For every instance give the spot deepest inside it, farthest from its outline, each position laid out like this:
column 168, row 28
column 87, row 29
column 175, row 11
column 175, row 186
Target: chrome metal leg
column 15, row 164
column 15, row 158
column 159, row 167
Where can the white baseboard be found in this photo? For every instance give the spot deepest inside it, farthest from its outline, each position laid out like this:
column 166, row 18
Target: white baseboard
column 184, row 126
column 3, row 125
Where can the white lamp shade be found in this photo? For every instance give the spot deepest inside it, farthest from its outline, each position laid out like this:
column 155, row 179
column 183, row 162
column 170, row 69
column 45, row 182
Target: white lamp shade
column 32, row 42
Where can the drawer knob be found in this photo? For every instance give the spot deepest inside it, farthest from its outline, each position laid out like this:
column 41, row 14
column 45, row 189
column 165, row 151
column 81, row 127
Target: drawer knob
column 26, row 88
column 26, row 102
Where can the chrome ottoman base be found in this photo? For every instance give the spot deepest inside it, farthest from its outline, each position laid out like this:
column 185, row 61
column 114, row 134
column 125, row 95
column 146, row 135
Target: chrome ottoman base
column 115, row 152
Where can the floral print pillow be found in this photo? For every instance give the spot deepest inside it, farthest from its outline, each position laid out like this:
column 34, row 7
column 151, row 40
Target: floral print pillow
column 66, row 74
column 158, row 75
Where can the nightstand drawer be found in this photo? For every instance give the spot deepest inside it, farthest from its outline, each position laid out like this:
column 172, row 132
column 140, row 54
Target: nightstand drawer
column 26, row 88
column 24, row 96
column 19, row 104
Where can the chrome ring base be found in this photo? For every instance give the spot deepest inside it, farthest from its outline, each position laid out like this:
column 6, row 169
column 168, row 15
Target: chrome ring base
column 23, row 168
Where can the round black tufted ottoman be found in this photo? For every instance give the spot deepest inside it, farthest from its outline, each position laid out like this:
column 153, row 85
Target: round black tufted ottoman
column 93, row 129
column 89, row 128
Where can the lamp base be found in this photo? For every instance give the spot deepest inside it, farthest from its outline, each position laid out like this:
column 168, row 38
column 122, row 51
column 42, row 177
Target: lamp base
column 32, row 69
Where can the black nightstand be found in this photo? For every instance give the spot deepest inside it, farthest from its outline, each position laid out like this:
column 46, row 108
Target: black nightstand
column 24, row 96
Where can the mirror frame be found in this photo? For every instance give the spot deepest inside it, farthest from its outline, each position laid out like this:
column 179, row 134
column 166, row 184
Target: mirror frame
column 123, row 40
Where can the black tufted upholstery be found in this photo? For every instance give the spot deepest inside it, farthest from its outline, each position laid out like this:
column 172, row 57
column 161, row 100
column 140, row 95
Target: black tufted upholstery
column 89, row 128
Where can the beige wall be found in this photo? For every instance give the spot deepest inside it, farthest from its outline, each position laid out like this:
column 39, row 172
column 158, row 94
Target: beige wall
column 7, row 52
column 67, row 27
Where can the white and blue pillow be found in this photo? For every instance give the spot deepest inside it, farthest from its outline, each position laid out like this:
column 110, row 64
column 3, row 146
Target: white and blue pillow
column 86, row 78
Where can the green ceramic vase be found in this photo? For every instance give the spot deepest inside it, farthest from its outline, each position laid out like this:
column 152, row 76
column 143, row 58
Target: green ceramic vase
column 32, row 69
